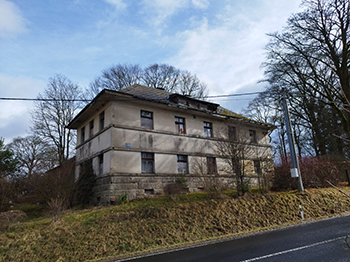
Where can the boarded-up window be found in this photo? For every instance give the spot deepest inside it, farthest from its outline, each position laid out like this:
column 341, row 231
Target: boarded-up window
column 91, row 128
column 180, row 125
column 146, row 119
column 208, row 129
column 182, row 164
column 252, row 136
column 82, row 135
column 257, row 168
column 232, row 133
column 100, row 164
column 102, row 120
column 147, row 162
column 211, row 165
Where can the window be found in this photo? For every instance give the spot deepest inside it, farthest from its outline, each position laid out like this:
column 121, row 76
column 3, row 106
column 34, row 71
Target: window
column 91, row 128
column 82, row 135
column 147, row 162
column 208, row 129
column 180, row 125
column 147, row 119
column 257, row 168
column 100, row 164
column 232, row 133
column 252, row 136
column 182, row 164
column 211, row 165
column 102, row 120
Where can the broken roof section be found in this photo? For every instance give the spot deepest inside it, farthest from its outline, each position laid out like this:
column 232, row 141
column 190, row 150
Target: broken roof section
column 156, row 95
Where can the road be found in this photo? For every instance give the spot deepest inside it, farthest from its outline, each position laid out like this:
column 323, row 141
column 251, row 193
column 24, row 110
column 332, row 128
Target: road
column 317, row 241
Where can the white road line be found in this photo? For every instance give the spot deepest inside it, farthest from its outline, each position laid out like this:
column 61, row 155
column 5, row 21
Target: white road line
column 293, row 249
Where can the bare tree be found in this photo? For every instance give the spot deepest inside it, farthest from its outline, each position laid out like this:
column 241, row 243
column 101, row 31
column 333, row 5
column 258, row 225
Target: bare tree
column 117, row 77
column 209, row 177
column 53, row 111
column 190, row 85
column 244, row 156
column 311, row 56
column 162, row 76
column 34, row 155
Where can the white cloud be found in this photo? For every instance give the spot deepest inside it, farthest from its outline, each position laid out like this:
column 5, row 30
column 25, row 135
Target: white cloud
column 202, row 4
column 227, row 53
column 118, row 4
column 158, row 11
column 11, row 20
column 17, row 112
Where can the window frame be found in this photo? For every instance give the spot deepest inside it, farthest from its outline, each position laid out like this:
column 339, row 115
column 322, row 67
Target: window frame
column 82, row 135
column 91, row 128
column 180, row 121
column 208, row 129
column 257, row 167
column 232, row 133
column 252, row 136
column 102, row 120
column 211, row 165
column 143, row 118
column 182, row 159
column 146, row 159
column 100, row 164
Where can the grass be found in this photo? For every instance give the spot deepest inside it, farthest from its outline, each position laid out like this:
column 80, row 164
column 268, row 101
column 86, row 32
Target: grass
column 145, row 225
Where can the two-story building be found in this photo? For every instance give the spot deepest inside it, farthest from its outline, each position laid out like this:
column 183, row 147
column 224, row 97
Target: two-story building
column 141, row 138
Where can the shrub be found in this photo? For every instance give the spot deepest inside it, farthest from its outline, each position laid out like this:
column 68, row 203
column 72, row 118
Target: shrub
column 175, row 189
column 315, row 171
column 12, row 216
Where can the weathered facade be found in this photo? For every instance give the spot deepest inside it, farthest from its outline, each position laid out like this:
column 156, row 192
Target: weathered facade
column 141, row 138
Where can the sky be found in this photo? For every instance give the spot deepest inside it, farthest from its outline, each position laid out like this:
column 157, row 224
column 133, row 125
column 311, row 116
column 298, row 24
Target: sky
column 221, row 41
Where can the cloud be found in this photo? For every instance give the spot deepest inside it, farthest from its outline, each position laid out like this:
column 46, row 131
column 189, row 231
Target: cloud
column 202, row 4
column 226, row 51
column 11, row 21
column 118, row 4
column 16, row 121
column 157, row 12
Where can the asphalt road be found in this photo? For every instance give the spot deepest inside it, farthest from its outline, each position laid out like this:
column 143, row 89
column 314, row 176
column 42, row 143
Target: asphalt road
column 317, row 241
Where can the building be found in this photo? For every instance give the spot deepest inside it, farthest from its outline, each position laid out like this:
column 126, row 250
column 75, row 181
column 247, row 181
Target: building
column 140, row 139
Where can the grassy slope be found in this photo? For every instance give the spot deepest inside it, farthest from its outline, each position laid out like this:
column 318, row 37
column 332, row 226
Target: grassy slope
column 158, row 223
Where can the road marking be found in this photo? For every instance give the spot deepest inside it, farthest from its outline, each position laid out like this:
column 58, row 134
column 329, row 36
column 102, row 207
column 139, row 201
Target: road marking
column 293, row 249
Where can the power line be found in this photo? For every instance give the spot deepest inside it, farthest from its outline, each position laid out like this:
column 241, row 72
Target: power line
column 88, row 100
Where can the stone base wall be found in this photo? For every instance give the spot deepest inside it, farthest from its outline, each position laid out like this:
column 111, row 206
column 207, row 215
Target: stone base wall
column 108, row 188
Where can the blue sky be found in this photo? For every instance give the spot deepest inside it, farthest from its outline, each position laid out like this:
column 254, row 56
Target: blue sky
column 221, row 41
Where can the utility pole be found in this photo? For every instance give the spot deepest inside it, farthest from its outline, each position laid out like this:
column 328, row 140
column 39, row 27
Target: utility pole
column 295, row 171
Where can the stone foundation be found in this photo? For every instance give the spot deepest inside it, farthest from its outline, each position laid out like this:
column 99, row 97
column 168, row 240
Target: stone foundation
column 109, row 188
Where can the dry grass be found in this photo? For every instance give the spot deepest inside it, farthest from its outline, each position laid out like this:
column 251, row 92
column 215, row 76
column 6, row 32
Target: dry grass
column 157, row 223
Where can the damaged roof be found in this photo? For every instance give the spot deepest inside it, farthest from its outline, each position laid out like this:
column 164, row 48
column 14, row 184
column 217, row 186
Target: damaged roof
column 156, row 95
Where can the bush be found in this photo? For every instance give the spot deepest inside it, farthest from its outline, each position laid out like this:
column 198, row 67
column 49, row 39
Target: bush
column 315, row 171
column 12, row 216
column 84, row 187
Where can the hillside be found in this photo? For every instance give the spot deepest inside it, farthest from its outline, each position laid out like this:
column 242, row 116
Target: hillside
column 146, row 225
